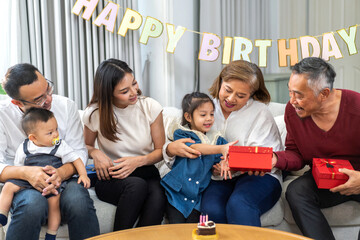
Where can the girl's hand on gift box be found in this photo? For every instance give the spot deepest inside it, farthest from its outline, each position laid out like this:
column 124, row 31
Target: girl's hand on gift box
column 352, row 186
column 225, row 149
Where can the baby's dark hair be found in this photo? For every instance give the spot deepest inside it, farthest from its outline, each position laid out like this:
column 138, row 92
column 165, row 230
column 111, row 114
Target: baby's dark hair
column 32, row 116
column 192, row 101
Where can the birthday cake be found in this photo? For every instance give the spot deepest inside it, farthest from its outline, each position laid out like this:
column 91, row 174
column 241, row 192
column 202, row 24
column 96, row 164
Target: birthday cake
column 205, row 229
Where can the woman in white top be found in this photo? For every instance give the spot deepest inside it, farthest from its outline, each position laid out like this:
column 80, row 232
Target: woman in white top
column 129, row 131
column 240, row 98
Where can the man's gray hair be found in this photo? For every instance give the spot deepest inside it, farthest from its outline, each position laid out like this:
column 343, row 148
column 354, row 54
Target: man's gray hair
column 320, row 74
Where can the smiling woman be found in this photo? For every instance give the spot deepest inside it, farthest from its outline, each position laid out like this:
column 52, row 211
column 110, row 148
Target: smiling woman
column 129, row 130
column 236, row 84
column 126, row 92
column 241, row 114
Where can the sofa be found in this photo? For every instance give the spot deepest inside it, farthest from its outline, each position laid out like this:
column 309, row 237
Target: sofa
column 344, row 219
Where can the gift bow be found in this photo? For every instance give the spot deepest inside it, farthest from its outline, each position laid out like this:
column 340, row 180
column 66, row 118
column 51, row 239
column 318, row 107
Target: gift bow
column 329, row 166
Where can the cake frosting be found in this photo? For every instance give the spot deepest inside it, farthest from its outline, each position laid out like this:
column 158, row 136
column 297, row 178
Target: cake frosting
column 205, row 229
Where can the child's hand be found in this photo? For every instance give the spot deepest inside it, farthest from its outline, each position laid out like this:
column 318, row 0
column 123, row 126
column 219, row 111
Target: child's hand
column 216, row 169
column 225, row 170
column 225, row 149
column 85, row 180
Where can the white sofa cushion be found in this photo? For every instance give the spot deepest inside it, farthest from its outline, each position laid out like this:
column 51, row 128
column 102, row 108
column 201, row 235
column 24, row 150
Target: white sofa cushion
column 277, row 109
column 279, row 120
column 274, row 216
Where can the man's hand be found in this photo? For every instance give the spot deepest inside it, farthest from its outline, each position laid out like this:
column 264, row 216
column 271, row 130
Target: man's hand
column 352, row 186
column 273, row 160
column 179, row 148
column 54, row 181
column 37, row 177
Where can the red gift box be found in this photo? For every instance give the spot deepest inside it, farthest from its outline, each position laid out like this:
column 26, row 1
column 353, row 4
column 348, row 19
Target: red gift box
column 326, row 172
column 250, row 158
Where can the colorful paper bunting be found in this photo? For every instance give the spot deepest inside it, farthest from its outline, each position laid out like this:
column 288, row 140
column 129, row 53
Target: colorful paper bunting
column 233, row 48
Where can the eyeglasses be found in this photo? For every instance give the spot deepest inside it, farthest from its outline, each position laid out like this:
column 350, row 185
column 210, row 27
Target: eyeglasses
column 42, row 99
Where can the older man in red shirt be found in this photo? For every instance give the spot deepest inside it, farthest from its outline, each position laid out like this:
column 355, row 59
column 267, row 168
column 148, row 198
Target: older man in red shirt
column 323, row 122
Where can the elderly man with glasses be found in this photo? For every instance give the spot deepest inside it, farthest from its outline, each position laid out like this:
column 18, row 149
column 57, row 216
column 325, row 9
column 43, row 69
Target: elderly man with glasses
column 27, row 88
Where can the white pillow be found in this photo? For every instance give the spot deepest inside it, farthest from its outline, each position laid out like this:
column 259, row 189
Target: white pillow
column 282, row 129
column 276, row 109
column 171, row 115
column 279, row 120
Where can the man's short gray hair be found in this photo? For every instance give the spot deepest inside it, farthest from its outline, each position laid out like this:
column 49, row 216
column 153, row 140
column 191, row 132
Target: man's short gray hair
column 320, row 74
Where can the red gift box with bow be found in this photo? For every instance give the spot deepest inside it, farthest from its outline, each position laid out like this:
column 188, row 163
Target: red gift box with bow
column 250, row 158
column 326, row 172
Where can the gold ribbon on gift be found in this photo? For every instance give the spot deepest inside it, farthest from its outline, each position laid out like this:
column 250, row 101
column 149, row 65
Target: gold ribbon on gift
column 248, row 149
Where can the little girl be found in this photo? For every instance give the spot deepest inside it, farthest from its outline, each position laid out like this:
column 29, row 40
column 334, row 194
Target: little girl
column 188, row 178
column 42, row 148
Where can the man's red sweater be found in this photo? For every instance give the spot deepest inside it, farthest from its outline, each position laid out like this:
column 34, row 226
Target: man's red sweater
column 305, row 140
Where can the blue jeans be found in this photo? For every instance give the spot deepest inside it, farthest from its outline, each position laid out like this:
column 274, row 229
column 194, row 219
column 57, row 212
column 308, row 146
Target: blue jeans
column 241, row 200
column 29, row 211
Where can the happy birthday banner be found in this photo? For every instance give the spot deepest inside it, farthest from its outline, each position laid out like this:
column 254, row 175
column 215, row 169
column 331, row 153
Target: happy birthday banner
column 235, row 47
